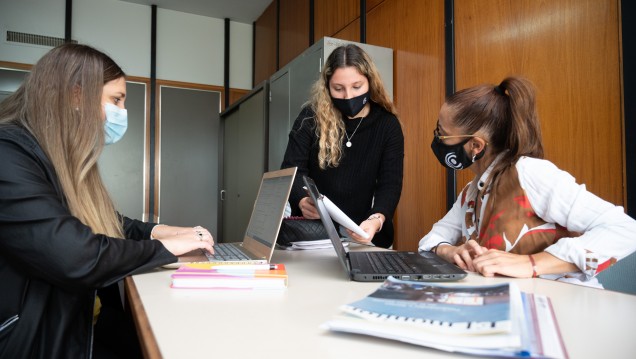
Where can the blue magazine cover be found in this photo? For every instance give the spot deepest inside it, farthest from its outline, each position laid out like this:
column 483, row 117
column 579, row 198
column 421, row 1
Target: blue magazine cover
column 447, row 308
column 487, row 320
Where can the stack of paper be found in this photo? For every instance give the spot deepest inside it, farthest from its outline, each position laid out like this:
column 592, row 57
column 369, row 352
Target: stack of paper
column 493, row 321
column 308, row 245
column 230, row 276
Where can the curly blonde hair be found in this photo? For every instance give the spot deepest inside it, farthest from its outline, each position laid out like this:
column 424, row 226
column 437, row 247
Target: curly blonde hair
column 330, row 128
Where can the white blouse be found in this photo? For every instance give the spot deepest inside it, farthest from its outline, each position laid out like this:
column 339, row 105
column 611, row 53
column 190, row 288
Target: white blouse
column 607, row 232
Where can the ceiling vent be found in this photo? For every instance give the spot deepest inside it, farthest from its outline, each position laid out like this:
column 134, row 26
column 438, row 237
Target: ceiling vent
column 33, row 39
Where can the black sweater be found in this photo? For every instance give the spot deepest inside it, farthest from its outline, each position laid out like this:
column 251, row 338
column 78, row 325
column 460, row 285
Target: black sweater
column 369, row 177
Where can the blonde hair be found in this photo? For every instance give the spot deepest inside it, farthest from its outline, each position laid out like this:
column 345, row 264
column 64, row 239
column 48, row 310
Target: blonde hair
column 330, row 129
column 60, row 104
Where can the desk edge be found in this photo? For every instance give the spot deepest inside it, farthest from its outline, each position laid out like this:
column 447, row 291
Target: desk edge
column 149, row 346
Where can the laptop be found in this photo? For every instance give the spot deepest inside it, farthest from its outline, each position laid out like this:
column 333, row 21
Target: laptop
column 259, row 240
column 376, row 266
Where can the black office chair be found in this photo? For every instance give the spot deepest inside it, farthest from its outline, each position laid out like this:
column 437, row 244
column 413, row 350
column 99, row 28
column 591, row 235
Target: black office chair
column 620, row 277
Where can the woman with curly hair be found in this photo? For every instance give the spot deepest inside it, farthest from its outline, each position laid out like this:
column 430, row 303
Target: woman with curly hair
column 350, row 141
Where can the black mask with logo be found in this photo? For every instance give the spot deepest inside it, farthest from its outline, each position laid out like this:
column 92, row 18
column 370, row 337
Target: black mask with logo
column 351, row 106
column 454, row 156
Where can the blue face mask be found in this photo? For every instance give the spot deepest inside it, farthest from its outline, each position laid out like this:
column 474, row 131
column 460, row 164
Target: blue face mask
column 116, row 123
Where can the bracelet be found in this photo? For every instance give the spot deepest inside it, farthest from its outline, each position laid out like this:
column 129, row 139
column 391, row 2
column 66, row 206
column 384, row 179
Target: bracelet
column 153, row 229
column 434, row 249
column 534, row 266
column 376, row 216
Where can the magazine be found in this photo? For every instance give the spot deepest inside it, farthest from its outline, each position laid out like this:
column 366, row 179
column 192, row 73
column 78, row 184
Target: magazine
column 491, row 320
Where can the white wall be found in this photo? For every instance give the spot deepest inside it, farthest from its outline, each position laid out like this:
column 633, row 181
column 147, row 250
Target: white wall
column 120, row 29
column 186, row 42
column 241, row 55
column 189, row 47
column 41, row 17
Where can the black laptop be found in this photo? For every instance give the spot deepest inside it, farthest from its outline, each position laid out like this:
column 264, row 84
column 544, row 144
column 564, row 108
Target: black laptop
column 376, row 266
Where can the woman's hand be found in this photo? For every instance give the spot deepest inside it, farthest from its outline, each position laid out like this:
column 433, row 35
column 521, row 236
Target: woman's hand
column 495, row 261
column 180, row 240
column 368, row 229
column 308, row 208
column 509, row 264
column 370, row 226
column 462, row 255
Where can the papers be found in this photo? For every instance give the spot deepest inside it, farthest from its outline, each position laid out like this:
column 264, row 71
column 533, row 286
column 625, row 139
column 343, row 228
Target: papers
column 344, row 220
column 495, row 321
column 308, row 245
column 237, row 276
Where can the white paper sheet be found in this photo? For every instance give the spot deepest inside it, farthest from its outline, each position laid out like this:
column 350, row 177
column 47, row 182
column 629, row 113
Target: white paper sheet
column 344, row 220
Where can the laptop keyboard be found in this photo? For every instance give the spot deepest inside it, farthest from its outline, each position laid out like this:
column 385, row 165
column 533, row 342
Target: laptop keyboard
column 226, row 252
column 383, row 262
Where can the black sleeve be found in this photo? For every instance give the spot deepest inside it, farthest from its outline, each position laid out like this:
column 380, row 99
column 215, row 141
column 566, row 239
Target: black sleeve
column 136, row 229
column 301, row 139
column 40, row 237
column 390, row 176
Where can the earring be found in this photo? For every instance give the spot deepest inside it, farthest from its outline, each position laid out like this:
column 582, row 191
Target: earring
column 475, row 155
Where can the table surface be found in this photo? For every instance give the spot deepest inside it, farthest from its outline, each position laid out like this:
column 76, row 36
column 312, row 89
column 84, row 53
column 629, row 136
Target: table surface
column 179, row 323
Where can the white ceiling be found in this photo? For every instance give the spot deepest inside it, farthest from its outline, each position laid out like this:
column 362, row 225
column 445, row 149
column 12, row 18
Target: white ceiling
column 245, row 11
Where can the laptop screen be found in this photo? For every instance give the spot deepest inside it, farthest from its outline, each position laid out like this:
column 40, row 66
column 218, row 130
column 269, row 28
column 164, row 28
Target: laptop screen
column 268, row 209
column 327, row 222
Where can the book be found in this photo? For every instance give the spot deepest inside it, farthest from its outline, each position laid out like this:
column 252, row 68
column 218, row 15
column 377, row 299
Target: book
column 230, row 276
column 490, row 320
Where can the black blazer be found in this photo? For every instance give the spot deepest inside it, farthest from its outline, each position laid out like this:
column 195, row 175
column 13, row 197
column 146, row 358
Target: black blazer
column 50, row 262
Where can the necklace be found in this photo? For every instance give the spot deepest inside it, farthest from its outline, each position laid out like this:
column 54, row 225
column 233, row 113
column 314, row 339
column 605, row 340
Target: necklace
column 354, row 132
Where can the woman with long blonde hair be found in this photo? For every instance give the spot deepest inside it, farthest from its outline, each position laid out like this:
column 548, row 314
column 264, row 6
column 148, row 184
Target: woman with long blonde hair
column 61, row 238
column 350, row 142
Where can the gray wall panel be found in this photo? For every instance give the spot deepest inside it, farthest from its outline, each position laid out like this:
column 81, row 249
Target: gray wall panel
column 122, row 164
column 189, row 150
column 244, row 161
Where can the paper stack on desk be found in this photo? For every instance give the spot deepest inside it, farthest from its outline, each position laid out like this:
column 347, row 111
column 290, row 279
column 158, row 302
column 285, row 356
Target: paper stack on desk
column 308, row 245
column 230, row 276
column 493, row 321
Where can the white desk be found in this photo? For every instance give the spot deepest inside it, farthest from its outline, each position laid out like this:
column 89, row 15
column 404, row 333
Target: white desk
column 177, row 323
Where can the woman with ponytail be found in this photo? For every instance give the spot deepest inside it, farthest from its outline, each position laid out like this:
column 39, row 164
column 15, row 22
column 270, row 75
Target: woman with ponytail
column 61, row 239
column 521, row 216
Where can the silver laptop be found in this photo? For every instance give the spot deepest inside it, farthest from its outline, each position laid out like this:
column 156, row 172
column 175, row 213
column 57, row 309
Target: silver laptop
column 376, row 266
column 260, row 237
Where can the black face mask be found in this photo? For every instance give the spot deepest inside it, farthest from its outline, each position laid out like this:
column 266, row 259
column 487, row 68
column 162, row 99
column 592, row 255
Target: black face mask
column 351, row 106
column 454, row 156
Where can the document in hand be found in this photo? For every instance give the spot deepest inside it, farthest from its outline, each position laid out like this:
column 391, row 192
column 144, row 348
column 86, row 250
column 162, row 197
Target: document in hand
column 235, row 276
column 494, row 320
column 339, row 216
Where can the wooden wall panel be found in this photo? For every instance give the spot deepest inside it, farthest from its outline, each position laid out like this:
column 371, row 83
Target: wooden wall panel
column 372, row 3
column 418, row 43
column 331, row 16
column 351, row 32
column 236, row 94
column 570, row 49
column 293, row 29
column 265, row 45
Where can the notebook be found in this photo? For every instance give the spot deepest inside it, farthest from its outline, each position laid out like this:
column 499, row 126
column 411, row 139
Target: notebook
column 376, row 266
column 259, row 240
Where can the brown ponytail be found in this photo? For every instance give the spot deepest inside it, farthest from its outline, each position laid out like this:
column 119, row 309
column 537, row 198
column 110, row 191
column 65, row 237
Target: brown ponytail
column 506, row 114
